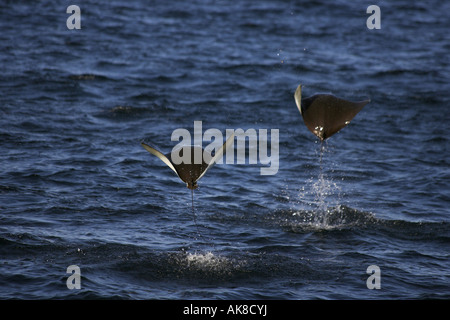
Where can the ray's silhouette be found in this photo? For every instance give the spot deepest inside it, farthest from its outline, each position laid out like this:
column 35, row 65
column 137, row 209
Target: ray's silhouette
column 191, row 171
column 326, row 114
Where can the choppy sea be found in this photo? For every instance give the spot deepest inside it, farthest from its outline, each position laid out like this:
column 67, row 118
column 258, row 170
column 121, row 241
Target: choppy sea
column 77, row 188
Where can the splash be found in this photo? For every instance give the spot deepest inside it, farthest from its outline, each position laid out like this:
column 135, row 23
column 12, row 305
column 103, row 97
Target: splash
column 326, row 193
column 207, row 264
column 205, row 261
column 321, row 195
column 333, row 218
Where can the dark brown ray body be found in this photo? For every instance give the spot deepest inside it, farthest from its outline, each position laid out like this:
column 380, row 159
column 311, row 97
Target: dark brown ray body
column 325, row 114
column 190, row 173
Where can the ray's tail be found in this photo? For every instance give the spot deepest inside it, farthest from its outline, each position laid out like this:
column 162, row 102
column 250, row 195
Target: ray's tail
column 193, row 209
column 193, row 214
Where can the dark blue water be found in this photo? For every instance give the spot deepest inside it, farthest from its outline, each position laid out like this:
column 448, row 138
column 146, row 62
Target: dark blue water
column 76, row 187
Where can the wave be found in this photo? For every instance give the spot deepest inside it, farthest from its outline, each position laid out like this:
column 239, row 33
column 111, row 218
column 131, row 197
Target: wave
column 342, row 217
column 130, row 270
column 124, row 112
column 88, row 76
column 338, row 217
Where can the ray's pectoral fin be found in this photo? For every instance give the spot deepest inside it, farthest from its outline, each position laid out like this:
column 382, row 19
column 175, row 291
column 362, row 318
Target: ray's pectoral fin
column 160, row 155
column 298, row 98
column 325, row 114
column 340, row 113
column 219, row 153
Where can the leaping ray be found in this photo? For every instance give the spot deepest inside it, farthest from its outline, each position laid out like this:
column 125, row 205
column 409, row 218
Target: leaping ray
column 325, row 114
column 191, row 172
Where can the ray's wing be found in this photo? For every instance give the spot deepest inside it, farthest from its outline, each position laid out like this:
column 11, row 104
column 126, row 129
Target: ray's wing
column 160, row 156
column 219, row 154
column 339, row 113
column 298, row 98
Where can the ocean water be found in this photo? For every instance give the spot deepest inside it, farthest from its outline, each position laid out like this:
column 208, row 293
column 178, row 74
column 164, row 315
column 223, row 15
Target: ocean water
column 76, row 187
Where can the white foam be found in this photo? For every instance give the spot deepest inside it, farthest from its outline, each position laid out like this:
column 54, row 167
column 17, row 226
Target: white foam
column 206, row 260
